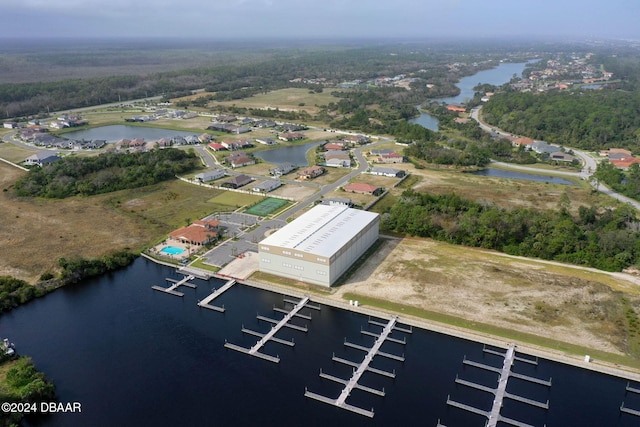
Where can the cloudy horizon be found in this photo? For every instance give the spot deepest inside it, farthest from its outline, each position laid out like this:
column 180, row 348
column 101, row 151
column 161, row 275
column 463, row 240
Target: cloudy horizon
column 328, row 19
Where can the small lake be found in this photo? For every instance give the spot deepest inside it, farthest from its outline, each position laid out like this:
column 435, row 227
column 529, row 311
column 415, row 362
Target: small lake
column 495, row 76
column 426, row 120
column 115, row 133
column 296, row 154
column 501, row 173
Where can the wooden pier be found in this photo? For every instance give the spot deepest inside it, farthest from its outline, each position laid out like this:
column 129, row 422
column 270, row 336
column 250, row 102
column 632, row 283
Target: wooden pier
column 215, row 294
column 269, row 336
column 500, row 392
column 361, row 368
column 186, row 281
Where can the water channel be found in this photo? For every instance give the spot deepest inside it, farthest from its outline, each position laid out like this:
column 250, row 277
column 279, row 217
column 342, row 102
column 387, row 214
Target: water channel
column 133, row 356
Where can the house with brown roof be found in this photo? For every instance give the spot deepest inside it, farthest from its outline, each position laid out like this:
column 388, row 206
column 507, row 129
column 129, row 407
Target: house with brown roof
column 363, row 188
column 291, row 136
column 391, row 158
column 625, row 163
column 311, row 172
column 456, row 108
column 356, row 139
column 237, row 160
column 199, row 233
column 237, row 181
column 334, row 145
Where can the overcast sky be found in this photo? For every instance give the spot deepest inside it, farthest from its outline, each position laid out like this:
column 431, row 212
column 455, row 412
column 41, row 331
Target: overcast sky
column 319, row 18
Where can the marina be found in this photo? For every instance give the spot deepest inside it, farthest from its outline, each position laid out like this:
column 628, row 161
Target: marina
column 500, row 393
column 360, row 369
column 116, row 313
column 264, row 338
column 186, row 281
column 205, row 303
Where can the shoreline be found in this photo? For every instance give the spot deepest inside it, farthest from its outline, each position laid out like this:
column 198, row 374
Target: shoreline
column 541, row 352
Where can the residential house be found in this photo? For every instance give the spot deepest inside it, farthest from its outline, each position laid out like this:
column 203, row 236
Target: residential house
column 356, row 139
column 523, row 142
column 291, row 136
column 334, row 146
column 266, row 186
column 542, row 147
column 560, row 156
column 338, row 163
column 391, row 158
column 283, row 169
column 265, row 124
column 456, row 108
column 266, row 141
column 191, row 140
column 41, row 158
column 237, row 160
column 338, row 201
column 210, row 175
column 215, row 146
column 236, row 145
column 237, row 181
column 205, row 137
column 311, row 172
column 625, row 163
column 290, row 127
column 380, row 152
column 337, row 158
column 381, row 171
column 363, row 188
column 10, row 125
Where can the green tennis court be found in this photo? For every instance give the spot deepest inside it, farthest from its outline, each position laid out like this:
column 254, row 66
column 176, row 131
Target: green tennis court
column 266, row 206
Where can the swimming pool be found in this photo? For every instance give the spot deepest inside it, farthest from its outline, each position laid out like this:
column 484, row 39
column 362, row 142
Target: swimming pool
column 172, row 250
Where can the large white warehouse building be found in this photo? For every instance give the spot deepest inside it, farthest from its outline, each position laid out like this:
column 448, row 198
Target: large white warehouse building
column 319, row 245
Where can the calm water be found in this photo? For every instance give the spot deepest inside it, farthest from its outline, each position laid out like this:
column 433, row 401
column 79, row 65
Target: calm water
column 501, row 173
column 296, row 154
column 426, row 120
column 495, row 76
column 115, row 133
column 133, row 356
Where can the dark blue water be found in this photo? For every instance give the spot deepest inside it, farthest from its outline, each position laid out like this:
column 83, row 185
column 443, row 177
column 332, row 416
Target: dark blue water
column 501, row 173
column 296, row 154
column 133, row 356
column 115, row 133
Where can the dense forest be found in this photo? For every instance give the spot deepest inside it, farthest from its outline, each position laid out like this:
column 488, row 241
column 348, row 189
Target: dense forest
column 239, row 75
column 605, row 239
column 627, row 183
column 588, row 119
column 26, row 385
column 107, row 172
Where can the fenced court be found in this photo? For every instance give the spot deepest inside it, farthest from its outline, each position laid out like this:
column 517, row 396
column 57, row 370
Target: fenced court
column 266, row 206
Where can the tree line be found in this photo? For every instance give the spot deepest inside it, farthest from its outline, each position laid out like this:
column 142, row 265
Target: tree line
column 607, row 239
column 107, row 172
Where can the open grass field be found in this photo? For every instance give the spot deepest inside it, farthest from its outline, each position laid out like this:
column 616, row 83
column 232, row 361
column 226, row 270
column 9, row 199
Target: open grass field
column 228, row 201
column 289, row 99
column 37, row 232
column 503, row 192
column 14, row 153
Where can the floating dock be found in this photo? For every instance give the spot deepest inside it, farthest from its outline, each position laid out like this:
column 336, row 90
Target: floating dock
column 361, row 368
column 205, row 303
column 269, row 336
column 493, row 416
column 626, row 410
column 186, row 281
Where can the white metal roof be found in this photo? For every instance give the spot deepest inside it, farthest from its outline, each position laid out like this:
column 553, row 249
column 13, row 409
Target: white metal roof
column 321, row 231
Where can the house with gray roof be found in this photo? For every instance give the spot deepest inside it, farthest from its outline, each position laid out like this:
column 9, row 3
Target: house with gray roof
column 41, row 158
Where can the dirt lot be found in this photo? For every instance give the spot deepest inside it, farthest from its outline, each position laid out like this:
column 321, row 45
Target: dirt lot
column 568, row 304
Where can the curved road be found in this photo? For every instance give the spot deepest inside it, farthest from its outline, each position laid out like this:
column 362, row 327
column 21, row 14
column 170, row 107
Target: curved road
column 589, row 164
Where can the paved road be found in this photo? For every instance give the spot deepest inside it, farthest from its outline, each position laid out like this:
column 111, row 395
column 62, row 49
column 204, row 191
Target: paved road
column 589, row 165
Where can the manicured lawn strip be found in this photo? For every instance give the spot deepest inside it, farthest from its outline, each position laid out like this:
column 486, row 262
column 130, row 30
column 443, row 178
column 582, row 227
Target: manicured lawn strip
column 492, row 330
